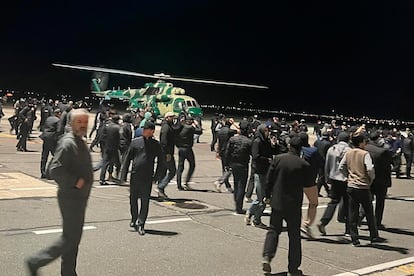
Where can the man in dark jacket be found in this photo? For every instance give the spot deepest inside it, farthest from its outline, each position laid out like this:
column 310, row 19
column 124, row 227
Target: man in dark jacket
column 110, row 148
column 167, row 141
column 237, row 156
column 382, row 159
column 184, row 143
column 143, row 151
column 287, row 176
column 50, row 138
column 71, row 168
column 262, row 155
column 223, row 136
column 408, row 150
column 323, row 145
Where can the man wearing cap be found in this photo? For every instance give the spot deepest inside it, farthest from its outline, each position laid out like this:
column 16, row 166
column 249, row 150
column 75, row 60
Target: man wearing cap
column 288, row 174
column 143, row 151
column 167, row 141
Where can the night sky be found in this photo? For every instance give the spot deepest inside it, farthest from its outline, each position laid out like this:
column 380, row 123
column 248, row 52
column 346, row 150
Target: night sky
column 354, row 57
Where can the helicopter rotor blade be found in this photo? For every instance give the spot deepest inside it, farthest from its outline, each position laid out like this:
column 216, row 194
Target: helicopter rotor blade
column 157, row 76
column 219, row 82
column 107, row 70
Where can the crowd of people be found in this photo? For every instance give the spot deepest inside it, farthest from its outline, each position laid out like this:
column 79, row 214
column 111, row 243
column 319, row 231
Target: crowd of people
column 272, row 159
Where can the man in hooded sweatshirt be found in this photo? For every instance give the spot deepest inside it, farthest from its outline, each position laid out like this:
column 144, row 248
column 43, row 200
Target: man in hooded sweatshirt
column 337, row 181
column 262, row 155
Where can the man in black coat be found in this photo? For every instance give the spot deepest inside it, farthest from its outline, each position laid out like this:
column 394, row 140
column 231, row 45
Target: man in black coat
column 143, row 151
column 184, row 142
column 237, row 157
column 50, row 138
column 287, row 176
column 167, row 141
column 382, row 160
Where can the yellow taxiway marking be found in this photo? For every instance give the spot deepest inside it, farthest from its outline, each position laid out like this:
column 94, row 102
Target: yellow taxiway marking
column 19, row 185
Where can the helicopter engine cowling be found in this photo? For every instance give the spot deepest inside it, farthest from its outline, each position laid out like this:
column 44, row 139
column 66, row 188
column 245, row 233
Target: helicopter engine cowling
column 163, row 98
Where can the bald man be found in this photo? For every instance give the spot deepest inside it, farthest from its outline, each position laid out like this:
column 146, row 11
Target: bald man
column 71, row 168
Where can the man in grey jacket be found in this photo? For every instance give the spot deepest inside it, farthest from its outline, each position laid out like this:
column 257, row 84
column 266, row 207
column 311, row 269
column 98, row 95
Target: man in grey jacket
column 71, row 168
column 337, row 181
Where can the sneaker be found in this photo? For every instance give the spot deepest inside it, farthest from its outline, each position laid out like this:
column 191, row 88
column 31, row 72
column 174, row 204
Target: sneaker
column 217, row 186
column 180, row 188
column 162, row 195
column 248, row 199
column 321, row 229
column 347, row 234
column 266, row 265
column 377, row 240
column 259, row 225
column 187, row 187
column 103, row 182
column 140, row 230
column 307, row 231
column 230, row 190
column 248, row 219
column 356, row 243
column 297, row 272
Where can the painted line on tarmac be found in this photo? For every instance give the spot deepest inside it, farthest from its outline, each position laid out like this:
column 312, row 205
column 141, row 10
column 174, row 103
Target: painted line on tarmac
column 52, row 231
column 167, row 220
column 382, row 267
column 32, row 189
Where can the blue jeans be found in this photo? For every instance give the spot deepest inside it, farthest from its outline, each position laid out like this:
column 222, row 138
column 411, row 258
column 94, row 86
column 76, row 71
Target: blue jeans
column 257, row 207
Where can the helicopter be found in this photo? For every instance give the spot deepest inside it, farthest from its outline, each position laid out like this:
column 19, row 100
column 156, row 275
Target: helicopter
column 159, row 97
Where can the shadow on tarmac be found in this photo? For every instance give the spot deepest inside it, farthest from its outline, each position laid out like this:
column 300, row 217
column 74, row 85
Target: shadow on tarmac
column 398, row 231
column 160, row 233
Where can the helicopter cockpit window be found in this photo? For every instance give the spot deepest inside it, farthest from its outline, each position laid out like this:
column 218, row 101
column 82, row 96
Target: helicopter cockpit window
column 196, row 104
column 152, row 91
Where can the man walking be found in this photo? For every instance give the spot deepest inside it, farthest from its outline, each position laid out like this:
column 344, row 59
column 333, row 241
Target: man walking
column 142, row 151
column 184, row 143
column 50, row 138
column 337, row 181
column 71, row 168
column 237, row 156
column 167, row 141
column 382, row 159
column 287, row 176
column 357, row 166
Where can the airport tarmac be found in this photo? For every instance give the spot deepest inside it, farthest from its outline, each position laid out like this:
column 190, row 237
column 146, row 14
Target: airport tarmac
column 195, row 233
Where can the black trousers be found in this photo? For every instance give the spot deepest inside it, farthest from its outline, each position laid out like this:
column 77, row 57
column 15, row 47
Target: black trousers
column 409, row 162
column 214, row 139
column 338, row 192
column 23, row 136
column 226, row 173
column 240, row 174
column 363, row 197
column 321, row 180
column 73, row 215
column 380, row 192
column 49, row 146
column 185, row 154
column 109, row 160
column 139, row 215
column 293, row 220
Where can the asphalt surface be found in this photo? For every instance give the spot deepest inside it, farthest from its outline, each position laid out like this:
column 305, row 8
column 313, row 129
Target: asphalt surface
column 195, row 233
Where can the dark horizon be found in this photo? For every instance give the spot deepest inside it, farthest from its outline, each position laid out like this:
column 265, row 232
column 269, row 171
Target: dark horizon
column 315, row 57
